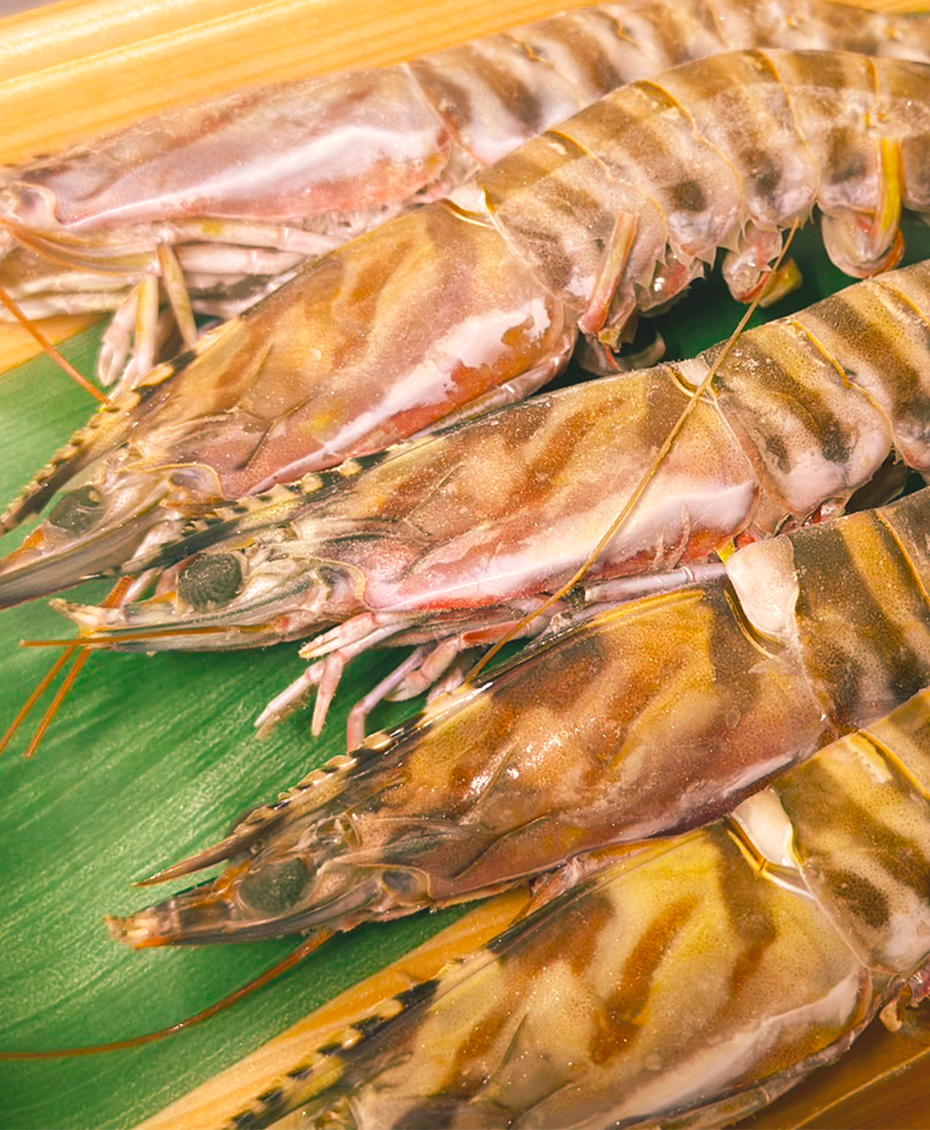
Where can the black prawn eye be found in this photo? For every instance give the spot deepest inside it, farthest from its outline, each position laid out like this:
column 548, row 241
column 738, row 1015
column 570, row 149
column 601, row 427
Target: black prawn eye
column 209, row 581
column 78, row 511
column 276, row 887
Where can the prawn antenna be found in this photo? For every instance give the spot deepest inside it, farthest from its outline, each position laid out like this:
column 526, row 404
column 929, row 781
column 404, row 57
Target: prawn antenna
column 630, row 505
column 294, row 958
column 31, row 328
column 72, row 648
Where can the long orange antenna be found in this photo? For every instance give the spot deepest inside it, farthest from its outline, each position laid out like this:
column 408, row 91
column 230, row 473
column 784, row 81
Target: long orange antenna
column 102, row 640
column 303, row 950
column 71, row 647
column 60, row 695
column 646, row 479
column 31, row 328
column 40, row 690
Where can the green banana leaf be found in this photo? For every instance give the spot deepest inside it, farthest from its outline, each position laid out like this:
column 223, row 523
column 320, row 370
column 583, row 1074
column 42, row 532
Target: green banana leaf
column 149, row 760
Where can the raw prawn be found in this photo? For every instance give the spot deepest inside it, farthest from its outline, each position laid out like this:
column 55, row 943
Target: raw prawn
column 446, row 541
column 222, row 201
column 670, row 710
column 469, row 303
column 685, row 984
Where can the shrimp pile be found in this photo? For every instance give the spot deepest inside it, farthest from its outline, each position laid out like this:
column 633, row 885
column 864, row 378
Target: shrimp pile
column 810, row 635
column 671, row 710
column 717, row 788
column 472, row 302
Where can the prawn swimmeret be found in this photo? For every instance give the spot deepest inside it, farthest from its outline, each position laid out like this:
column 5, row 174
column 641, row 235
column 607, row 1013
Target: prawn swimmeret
column 475, row 301
column 221, row 202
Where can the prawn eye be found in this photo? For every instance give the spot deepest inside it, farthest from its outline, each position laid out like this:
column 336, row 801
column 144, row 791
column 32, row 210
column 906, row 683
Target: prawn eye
column 78, row 511
column 275, row 887
column 210, row 580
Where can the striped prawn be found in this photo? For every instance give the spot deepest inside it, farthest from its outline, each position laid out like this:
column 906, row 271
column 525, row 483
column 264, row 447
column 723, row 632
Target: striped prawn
column 687, row 983
column 220, row 202
column 671, row 709
column 447, row 541
column 469, row 303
